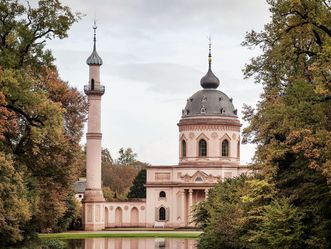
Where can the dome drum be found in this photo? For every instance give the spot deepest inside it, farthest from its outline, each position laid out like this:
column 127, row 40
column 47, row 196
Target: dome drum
column 220, row 122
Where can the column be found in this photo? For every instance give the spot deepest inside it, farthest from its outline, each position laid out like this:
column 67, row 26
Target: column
column 190, row 203
column 182, row 193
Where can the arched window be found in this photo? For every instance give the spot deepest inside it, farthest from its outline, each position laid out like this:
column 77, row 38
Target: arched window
column 183, row 148
column 162, row 194
column 162, row 213
column 92, row 84
column 225, row 148
column 202, row 148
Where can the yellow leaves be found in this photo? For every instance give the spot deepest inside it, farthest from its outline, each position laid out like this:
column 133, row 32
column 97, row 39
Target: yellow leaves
column 10, row 39
column 314, row 146
column 14, row 207
column 322, row 88
column 258, row 190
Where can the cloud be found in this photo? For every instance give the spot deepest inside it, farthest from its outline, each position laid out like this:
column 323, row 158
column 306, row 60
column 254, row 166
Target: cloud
column 161, row 77
column 155, row 53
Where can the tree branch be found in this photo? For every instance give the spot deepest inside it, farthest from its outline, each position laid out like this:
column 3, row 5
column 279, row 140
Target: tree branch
column 33, row 121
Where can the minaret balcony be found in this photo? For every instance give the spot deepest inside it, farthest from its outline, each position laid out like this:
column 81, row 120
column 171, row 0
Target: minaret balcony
column 95, row 90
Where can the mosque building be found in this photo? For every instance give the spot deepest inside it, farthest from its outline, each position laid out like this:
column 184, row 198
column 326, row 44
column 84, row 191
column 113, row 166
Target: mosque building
column 209, row 152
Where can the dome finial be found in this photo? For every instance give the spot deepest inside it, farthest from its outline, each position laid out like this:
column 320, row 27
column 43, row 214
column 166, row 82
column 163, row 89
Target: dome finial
column 95, row 34
column 94, row 58
column 209, row 55
column 209, row 81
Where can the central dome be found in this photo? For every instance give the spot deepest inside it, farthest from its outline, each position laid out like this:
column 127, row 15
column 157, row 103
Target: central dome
column 209, row 102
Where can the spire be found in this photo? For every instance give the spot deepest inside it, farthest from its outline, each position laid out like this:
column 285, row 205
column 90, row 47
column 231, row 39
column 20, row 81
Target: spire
column 95, row 35
column 94, row 58
column 209, row 55
column 209, row 80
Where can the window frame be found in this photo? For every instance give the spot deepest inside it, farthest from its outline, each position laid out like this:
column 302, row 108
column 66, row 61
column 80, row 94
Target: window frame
column 164, row 213
column 184, row 149
column 225, row 150
column 203, row 151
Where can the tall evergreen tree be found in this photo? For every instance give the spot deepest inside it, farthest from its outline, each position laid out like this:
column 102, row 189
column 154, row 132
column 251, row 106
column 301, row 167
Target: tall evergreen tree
column 138, row 189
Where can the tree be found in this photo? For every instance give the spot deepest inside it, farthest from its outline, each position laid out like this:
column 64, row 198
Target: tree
column 126, row 157
column 138, row 189
column 108, row 193
column 41, row 116
column 295, row 72
column 106, row 157
column 291, row 124
column 15, row 209
column 24, row 31
column 220, row 215
column 118, row 178
column 246, row 212
column 280, row 227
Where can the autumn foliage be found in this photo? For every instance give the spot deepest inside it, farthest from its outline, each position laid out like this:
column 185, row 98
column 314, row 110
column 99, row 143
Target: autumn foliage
column 41, row 122
column 287, row 203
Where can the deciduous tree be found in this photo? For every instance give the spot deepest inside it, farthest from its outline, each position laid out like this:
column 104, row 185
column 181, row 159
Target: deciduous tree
column 126, row 157
column 291, row 124
column 41, row 115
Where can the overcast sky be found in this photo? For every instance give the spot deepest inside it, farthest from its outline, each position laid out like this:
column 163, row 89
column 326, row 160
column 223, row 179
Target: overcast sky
column 154, row 54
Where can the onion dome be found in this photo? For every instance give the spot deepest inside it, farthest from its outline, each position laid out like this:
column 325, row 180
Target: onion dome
column 209, row 101
column 209, row 81
column 94, row 58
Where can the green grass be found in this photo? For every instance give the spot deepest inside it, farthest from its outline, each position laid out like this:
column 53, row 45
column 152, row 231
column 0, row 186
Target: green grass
column 117, row 235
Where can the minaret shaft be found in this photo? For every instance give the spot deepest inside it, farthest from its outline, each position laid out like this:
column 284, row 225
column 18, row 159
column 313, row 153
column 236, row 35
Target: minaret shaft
column 93, row 202
column 94, row 92
column 93, row 143
column 94, row 136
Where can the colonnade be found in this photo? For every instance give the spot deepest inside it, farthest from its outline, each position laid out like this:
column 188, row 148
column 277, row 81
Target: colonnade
column 187, row 202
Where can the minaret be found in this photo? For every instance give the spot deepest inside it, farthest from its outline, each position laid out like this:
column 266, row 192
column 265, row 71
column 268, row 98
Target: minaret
column 93, row 215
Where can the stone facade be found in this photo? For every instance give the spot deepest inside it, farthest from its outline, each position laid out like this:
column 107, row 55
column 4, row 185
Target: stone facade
column 209, row 152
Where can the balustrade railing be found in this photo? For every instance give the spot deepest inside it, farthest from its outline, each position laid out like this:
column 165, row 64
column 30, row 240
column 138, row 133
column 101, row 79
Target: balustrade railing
column 95, row 89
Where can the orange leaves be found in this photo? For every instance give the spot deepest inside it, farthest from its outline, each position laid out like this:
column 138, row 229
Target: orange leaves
column 315, row 147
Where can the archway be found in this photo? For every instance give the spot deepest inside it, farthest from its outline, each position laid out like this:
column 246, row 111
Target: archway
column 134, row 217
column 118, row 217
